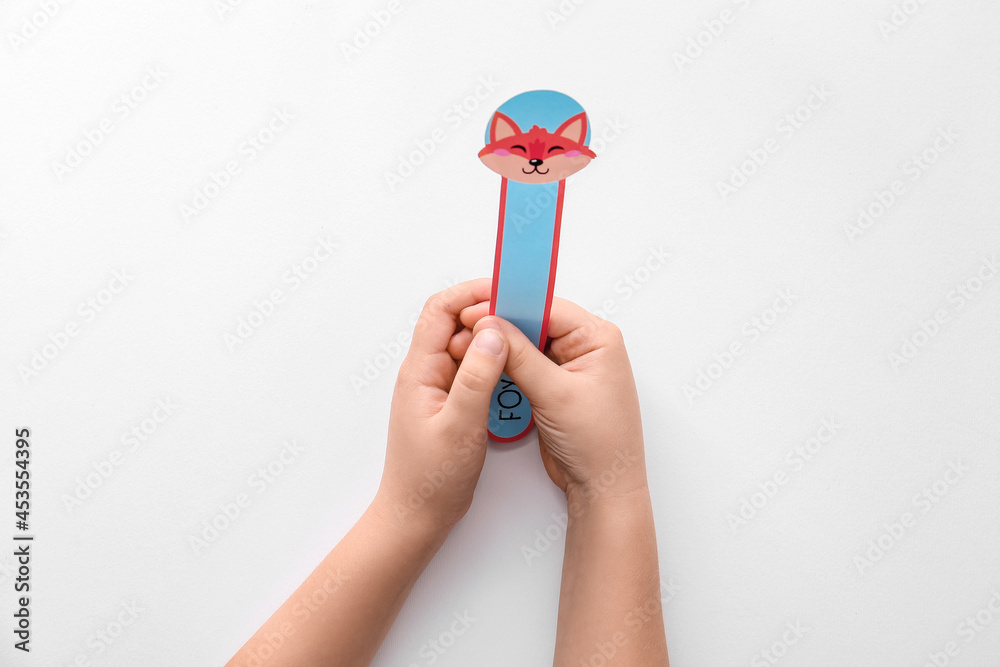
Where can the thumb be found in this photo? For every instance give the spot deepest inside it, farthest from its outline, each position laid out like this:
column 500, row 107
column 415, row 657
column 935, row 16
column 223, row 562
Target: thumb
column 533, row 372
column 471, row 391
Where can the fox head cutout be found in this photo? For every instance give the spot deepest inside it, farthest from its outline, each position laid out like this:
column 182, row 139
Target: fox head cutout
column 536, row 156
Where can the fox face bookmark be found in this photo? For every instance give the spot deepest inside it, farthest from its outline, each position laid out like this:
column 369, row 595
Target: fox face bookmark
column 535, row 140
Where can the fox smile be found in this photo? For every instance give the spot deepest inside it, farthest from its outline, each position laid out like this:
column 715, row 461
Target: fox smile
column 538, row 155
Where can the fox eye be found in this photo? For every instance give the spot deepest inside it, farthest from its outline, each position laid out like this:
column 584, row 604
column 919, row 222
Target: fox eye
column 519, row 146
column 555, row 148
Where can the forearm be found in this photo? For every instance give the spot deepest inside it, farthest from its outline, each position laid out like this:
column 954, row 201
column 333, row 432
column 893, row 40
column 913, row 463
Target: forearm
column 610, row 599
column 343, row 610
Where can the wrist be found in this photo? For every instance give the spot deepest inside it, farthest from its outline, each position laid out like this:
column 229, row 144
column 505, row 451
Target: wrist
column 620, row 477
column 588, row 498
column 414, row 520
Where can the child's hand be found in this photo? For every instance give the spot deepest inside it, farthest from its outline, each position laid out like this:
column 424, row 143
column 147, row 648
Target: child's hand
column 440, row 408
column 586, row 408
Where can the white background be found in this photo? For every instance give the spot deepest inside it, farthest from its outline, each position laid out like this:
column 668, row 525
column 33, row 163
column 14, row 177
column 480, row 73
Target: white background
column 674, row 130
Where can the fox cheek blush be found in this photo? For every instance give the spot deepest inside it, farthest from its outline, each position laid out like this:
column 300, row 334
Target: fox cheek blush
column 531, row 203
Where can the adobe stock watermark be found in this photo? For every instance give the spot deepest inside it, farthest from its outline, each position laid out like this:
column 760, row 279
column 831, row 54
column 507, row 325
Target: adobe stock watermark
column 276, row 640
column 329, row 584
column 633, row 281
column 229, row 512
column 785, row 128
column 635, row 620
column 794, row 460
column 958, row 298
column 913, row 169
column 609, row 132
column 35, row 22
column 434, row 480
column 253, row 145
column 560, row 13
column 968, row 630
column 107, row 634
column 546, row 537
column 781, row 647
column 606, row 481
column 388, row 352
column 539, row 205
column 89, row 309
column 79, row 150
column 752, row 330
column 369, row 31
column 452, row 118
column 131, row 440
column 265, row 307
column 435, row 647
column 923, row 502
column 902, row 13
column 711, row 31
column 223, row 8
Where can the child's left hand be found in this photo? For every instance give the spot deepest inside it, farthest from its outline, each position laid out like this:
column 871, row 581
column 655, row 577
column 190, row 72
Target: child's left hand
column 439, row 413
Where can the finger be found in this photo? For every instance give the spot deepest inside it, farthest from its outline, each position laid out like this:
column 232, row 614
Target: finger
column 472, row 314
column 579, row 333
column 572, row 332
column 459, row 343
column 469, row 398
column 566, row 317
column 535, row 374
column 439, row 317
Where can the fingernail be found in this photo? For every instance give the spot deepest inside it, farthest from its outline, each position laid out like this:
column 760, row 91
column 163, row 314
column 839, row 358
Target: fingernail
column 488, row 341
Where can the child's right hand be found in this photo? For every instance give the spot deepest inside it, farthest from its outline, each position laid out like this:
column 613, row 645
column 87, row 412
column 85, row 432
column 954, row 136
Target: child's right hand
column 586, row 408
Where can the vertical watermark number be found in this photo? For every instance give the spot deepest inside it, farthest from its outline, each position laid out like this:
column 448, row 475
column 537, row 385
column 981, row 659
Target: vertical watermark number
column 22, row 541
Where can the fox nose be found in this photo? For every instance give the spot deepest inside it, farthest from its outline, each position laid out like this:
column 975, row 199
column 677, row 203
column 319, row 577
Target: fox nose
column 534, row 163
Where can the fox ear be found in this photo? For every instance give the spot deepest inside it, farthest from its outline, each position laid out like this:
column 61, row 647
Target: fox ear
column 574, row 129
column 502, row 127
